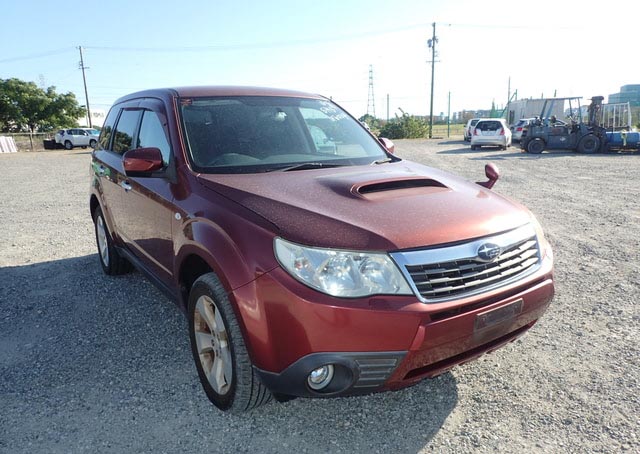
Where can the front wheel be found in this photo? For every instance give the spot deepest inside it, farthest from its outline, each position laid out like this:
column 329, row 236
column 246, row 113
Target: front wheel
column 68, row 145
column 535, row 146
column 92, row 143
column 219, row 351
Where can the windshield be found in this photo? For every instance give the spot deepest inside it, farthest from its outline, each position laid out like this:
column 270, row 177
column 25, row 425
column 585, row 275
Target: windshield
column 248, row 134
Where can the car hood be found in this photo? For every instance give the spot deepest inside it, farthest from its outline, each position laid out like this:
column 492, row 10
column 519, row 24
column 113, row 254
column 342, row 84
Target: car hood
column 374, row 207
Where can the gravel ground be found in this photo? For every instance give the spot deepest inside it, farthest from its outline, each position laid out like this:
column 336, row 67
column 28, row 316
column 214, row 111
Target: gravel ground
column 90, row 363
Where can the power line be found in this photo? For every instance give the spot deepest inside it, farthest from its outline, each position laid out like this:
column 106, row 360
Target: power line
column 39, row 55
column 251, row 46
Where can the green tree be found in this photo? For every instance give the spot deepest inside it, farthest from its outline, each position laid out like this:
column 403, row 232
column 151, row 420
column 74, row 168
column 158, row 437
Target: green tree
column 372, row 122
column 25, row 106
column 405, row 127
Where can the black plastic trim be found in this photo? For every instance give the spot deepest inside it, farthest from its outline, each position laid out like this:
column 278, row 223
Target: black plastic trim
column 354, row 373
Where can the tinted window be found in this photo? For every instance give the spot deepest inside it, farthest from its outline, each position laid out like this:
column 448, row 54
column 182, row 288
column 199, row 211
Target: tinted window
column 152, row 134
column 261, row 134
column 127, row 123
column 105, row 134
column 489, row 125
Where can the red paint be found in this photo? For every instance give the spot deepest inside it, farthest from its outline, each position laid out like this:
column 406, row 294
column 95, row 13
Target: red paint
column 229, row 222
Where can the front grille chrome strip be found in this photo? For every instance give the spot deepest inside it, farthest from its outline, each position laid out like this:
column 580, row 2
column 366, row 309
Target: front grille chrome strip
column 445, row 273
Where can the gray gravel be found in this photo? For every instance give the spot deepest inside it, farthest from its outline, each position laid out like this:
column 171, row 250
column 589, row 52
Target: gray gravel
column 90, row 363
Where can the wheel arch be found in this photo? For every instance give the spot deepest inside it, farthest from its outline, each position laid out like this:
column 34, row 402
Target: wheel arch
column 93, row 204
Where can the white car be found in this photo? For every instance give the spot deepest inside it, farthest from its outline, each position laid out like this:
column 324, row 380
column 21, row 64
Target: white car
column 468, row 129
column 77, row 137
column 491, row 132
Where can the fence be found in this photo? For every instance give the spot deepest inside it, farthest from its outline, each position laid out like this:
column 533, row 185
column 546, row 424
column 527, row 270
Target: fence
column 30, row 142
column 452, row 130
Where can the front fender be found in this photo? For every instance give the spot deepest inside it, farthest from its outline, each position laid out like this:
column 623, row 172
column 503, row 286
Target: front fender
column 236, row 260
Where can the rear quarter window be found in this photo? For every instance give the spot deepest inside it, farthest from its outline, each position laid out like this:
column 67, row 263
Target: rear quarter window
column 107, row 129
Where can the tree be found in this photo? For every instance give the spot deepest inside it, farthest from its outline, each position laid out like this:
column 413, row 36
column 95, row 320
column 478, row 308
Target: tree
column 372, row 122
column 405, row 127
column 25, row 106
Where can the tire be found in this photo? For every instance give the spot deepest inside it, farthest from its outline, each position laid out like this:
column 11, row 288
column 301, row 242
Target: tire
column 112, row 262
column 68, row 145
column 535, row 146
column 217, row 343
column 92, row 143
column 589, row 144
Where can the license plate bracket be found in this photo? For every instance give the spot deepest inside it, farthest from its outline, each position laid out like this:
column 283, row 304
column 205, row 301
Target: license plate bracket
column 499, row 315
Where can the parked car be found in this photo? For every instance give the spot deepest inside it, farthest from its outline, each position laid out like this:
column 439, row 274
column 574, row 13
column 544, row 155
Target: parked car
column 309, row 263
column 516, row 129
column 468, row 129
column 77, row 137
column 491, row 132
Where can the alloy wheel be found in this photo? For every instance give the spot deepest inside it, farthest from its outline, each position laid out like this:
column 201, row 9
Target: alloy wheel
column 103, row 244
column 213, row 345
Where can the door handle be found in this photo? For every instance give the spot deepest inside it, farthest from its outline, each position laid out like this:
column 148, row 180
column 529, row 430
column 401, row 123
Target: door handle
column 125, row 184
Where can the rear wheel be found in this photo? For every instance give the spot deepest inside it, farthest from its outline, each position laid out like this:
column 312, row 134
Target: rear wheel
column 535, row 146
column 68, row 145
column 588, row 144
column 219, row 351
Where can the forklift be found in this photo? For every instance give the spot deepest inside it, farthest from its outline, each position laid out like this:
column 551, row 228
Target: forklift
column 584, row 137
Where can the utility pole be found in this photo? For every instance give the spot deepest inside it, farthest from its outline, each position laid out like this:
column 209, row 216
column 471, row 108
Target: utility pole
column 449, row 116
column 508, row 118
column 387, row 106
column 84, row 79
column 432, row 44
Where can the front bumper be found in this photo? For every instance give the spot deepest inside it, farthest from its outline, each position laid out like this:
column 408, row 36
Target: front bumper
column 377, row 343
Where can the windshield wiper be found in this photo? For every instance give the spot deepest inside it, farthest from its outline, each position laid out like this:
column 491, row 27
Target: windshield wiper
column 382, row 161
column 305, row 166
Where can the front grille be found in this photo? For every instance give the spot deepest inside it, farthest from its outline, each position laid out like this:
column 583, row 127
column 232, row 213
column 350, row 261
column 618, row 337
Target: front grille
column 451, row 272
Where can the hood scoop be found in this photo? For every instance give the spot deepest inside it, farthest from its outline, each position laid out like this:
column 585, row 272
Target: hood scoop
column 398, row 187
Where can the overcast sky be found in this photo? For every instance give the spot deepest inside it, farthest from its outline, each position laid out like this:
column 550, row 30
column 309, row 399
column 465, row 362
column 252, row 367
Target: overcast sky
column 544, row 47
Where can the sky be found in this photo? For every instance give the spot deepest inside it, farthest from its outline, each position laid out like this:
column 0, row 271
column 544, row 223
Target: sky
column 486, row 50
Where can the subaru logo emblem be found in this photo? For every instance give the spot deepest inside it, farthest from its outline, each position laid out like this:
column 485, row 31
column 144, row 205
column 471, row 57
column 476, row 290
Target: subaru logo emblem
column 488, row 252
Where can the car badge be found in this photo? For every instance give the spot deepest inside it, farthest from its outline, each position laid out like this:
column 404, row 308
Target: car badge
column 488, row 252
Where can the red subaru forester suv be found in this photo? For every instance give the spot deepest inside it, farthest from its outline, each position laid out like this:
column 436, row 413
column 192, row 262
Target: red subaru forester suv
column 309, row 259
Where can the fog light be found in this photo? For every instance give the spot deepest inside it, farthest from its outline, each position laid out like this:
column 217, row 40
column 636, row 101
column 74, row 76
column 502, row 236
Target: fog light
column 319, row 378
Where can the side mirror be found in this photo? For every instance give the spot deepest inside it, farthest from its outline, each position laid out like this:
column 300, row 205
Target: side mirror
column 492, row 173
column 142, row 161
column 391, row 148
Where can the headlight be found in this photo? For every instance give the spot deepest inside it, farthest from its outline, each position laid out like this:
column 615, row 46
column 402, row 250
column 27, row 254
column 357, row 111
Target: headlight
column 542, row 241
column 341, row 273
